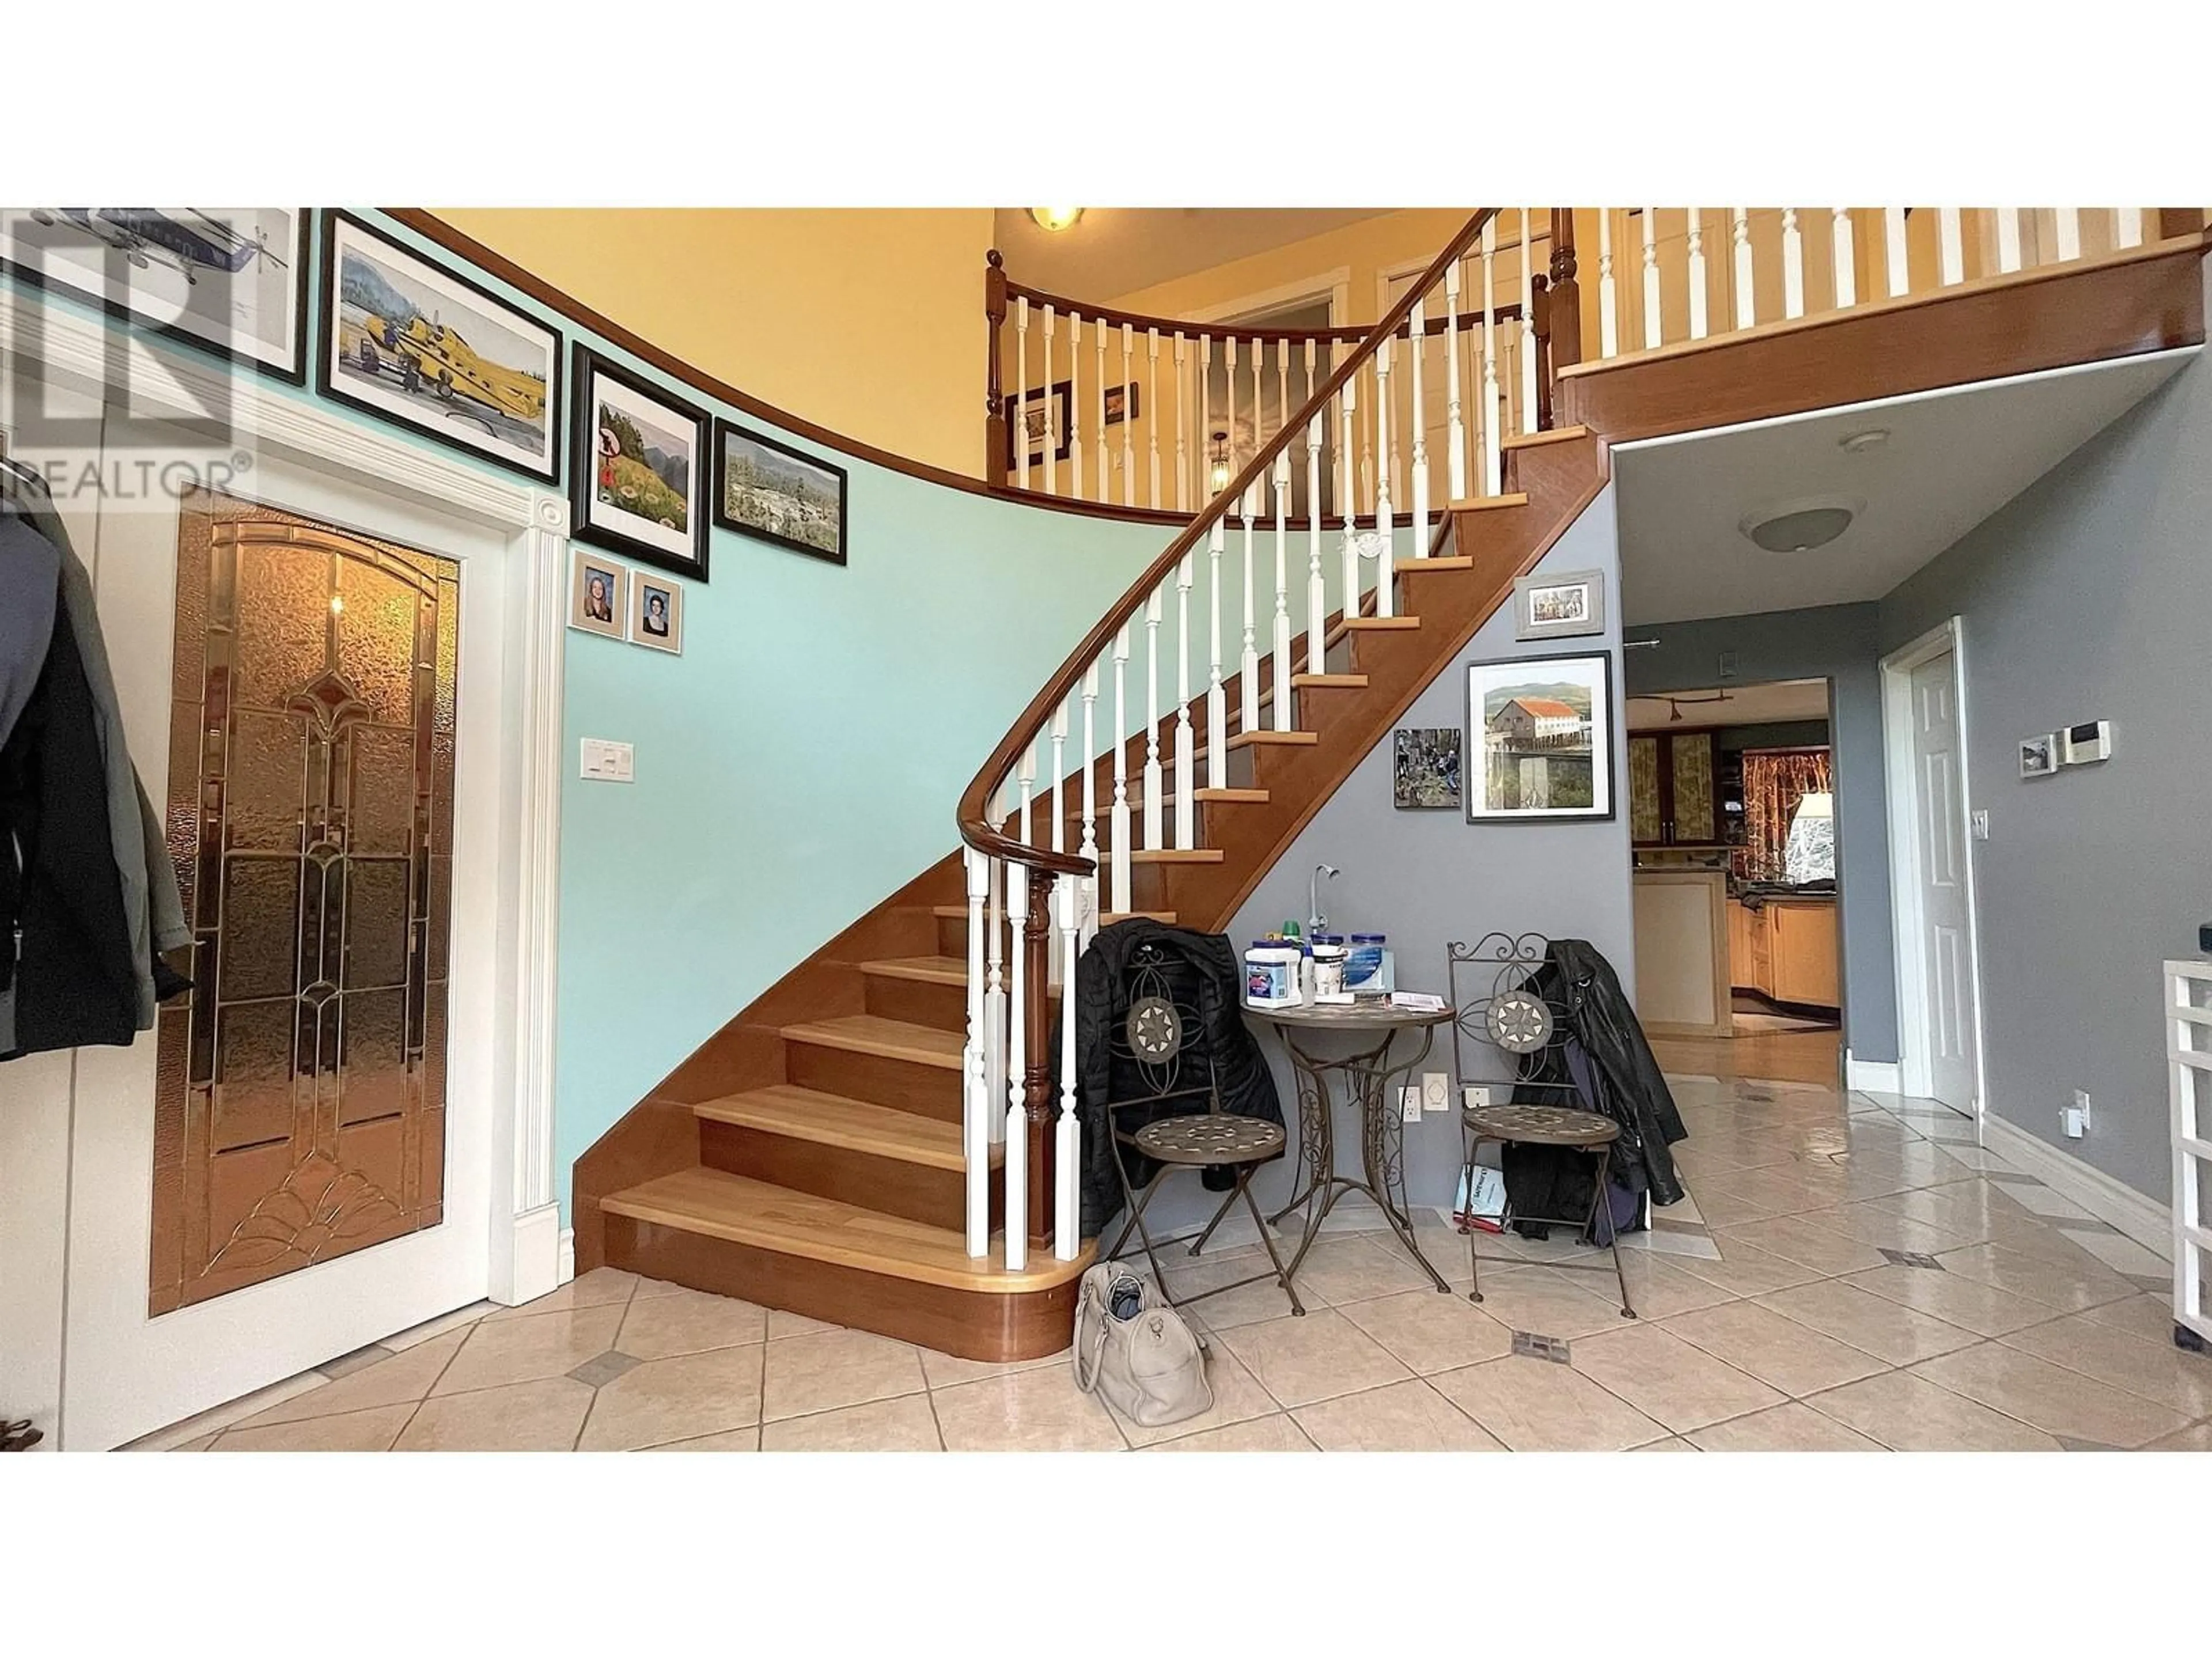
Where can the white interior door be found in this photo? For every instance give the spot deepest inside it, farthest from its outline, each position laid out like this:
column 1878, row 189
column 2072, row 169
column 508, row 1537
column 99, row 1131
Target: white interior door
column 125, row 1371
column 1939, row 829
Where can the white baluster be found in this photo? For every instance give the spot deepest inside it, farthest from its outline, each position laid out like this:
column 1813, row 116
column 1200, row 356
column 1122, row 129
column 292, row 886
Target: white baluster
column 1895, row 253
column 994, row 1001
column 1154, row 832
column 1316, row 589
column 1698, row 321
column 1067, row 1140
column 1217, row 697
column 1259, row 403
column 1074, row 406
column 1186, row 767
column 1183, row 427
column 1347, row 483
column 1027, row 834
column 2127, row 228
column 1128, row 426
column 1282, row 641
column 1060, row 779
column 1020, row 432
column 1152, row 415
column 1653, row 329
column 1231, row 468
column 1417, row 347
column 1528, row 332
column 1608, row 302
column 975, row 1097
column 1104, row 466
column 1017, row 1166
column 1120, row 826
column 1846, row 259
column 1385, row 527
column 1248, row 686
column 1455, row 416
column 1493, row 457
column 1051, row 416
column 2069, row 233
column 2008, row 256
column 1089, row 847
column 1793, row 265
column 1950, row 236
column 1746, row 308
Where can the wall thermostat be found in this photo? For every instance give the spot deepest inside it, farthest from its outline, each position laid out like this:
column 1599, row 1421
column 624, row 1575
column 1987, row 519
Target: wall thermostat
column 2090, row 741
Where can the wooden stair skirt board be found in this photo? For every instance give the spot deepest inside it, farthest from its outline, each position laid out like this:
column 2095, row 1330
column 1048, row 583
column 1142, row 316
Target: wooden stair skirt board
column 836, row 1262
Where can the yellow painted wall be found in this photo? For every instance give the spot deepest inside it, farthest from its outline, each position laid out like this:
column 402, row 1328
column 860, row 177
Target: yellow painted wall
column 1366, row 247
column 869, row 322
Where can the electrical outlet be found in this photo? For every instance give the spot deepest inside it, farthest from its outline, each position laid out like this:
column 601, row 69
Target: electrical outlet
column 1474, row 1095
column 1409, row 1103
column 1436, row 1092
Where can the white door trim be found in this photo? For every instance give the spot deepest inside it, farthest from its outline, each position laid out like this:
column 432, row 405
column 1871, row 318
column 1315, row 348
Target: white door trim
column 1336, row 284
column 76, row 351
column 1907, row 922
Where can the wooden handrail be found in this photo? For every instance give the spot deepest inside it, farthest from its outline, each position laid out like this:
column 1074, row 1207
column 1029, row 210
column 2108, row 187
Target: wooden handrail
column 977, row 829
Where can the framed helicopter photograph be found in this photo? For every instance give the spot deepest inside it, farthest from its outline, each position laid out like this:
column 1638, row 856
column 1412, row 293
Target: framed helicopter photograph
column 233, row 281
column 430, row 351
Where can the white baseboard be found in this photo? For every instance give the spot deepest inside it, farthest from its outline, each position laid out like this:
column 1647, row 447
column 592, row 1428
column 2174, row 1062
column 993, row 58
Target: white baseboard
column 566, row 1268
column 531, row 1264
column 2145, row 1220
column 1878, row 1076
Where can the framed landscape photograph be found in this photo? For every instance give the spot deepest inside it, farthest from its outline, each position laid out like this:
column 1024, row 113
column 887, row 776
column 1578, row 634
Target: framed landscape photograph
column 598, row 593
column 639, row 482
column 773, row 491
column 1540, row 739
column 430, row 350
column 1425, row 767
column 656, row 612
column 1040, row 416
column 1559, row 606
column 232, row 280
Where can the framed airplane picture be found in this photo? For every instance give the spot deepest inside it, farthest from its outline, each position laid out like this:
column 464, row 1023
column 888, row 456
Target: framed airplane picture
column 230, row 280
column 638, row 482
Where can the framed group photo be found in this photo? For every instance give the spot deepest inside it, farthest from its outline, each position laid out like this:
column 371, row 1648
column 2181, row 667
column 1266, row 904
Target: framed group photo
column 769, row 490
column 1540, row 739
column 1561, row 606
column 639, row 479
column 233, row 281
column 424, row 348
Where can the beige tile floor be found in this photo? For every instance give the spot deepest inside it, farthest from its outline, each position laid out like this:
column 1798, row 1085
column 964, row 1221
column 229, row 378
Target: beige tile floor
column 1803, row 1332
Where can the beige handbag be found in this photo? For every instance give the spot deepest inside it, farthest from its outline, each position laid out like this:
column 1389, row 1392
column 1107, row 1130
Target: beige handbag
column 1149, row 1366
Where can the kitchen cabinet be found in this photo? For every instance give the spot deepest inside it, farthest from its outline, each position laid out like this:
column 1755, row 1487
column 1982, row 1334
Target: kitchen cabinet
column 1786, row 950
column 1673, row 799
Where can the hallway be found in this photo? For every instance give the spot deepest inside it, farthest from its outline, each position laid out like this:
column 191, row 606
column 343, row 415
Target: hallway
column 1859, row 1276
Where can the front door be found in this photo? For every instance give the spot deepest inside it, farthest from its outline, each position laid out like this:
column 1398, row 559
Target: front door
column 1940, row 833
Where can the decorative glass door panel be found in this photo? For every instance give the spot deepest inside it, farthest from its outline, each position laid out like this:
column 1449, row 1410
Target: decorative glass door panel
column 1690, row 761
column 301, row 1109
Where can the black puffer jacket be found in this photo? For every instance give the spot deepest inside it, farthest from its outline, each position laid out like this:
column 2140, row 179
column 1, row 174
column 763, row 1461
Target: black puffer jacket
column 1625, row 1084
column 1204, row 974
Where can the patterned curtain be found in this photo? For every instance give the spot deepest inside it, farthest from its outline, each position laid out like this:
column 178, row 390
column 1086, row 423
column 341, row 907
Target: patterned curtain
column 1774, row 781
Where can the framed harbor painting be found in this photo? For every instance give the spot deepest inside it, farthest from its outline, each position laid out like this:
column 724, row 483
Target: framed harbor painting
column 1540, row 739
column 780, row 494
column 231, row 280
column 639, row 482
column 430, row 351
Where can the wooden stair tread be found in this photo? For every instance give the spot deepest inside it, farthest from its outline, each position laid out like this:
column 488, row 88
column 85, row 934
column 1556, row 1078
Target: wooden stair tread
column 1378, row 624
column 1489, row 503
column 1108, row 918
column 1558, row 435
column 888, row 1039
column 1177, row 855
column 1246, row 739
column 860, row 1126
column 1334, row 681
column 1456, row 561
column 930, row 970
column 771, row 1217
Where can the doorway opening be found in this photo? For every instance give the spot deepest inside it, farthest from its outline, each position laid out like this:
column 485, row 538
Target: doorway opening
column 1739, row 946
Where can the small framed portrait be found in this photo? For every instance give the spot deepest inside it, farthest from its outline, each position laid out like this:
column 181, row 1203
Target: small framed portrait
column 1425, row 767
column 656, row 612
column 1043, row 417
column 638, row 484
column 598, row 593
column 780, row 494
column 1559, row 607
column 1120, row 403
column 2039, row 756
column 1540, row 739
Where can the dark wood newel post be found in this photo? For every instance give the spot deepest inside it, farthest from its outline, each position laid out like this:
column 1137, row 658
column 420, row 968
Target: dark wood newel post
column 2179, row 221
column 1037, row 1035
column 994, row 419
column 1565, row 303
column 1540, row 297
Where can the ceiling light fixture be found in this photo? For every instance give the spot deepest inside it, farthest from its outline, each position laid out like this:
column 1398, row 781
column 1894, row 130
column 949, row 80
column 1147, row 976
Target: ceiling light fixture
column 1055, row 218
column 1800, row 526
column 1859, row 442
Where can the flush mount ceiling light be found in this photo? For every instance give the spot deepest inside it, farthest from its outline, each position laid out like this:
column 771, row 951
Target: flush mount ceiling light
column 1859, row 442
column 1800, row 526
column 1055, row 218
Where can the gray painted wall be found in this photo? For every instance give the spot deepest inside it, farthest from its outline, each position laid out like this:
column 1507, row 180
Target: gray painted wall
column 1837, row 643
column 2089, row 597
column 1428, row 876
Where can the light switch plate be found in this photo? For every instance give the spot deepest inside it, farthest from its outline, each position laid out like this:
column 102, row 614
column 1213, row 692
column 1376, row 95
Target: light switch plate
column 1980, row 821
column 1436, row 1092
column 1473, row 1095
column 608, row 762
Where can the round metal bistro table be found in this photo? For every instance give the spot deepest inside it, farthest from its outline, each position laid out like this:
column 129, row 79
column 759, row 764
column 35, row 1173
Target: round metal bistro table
column 1367, row 1075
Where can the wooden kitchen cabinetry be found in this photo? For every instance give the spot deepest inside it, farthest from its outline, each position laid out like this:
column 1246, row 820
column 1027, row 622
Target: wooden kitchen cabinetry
column 1673, row 800
column 1786, row 950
